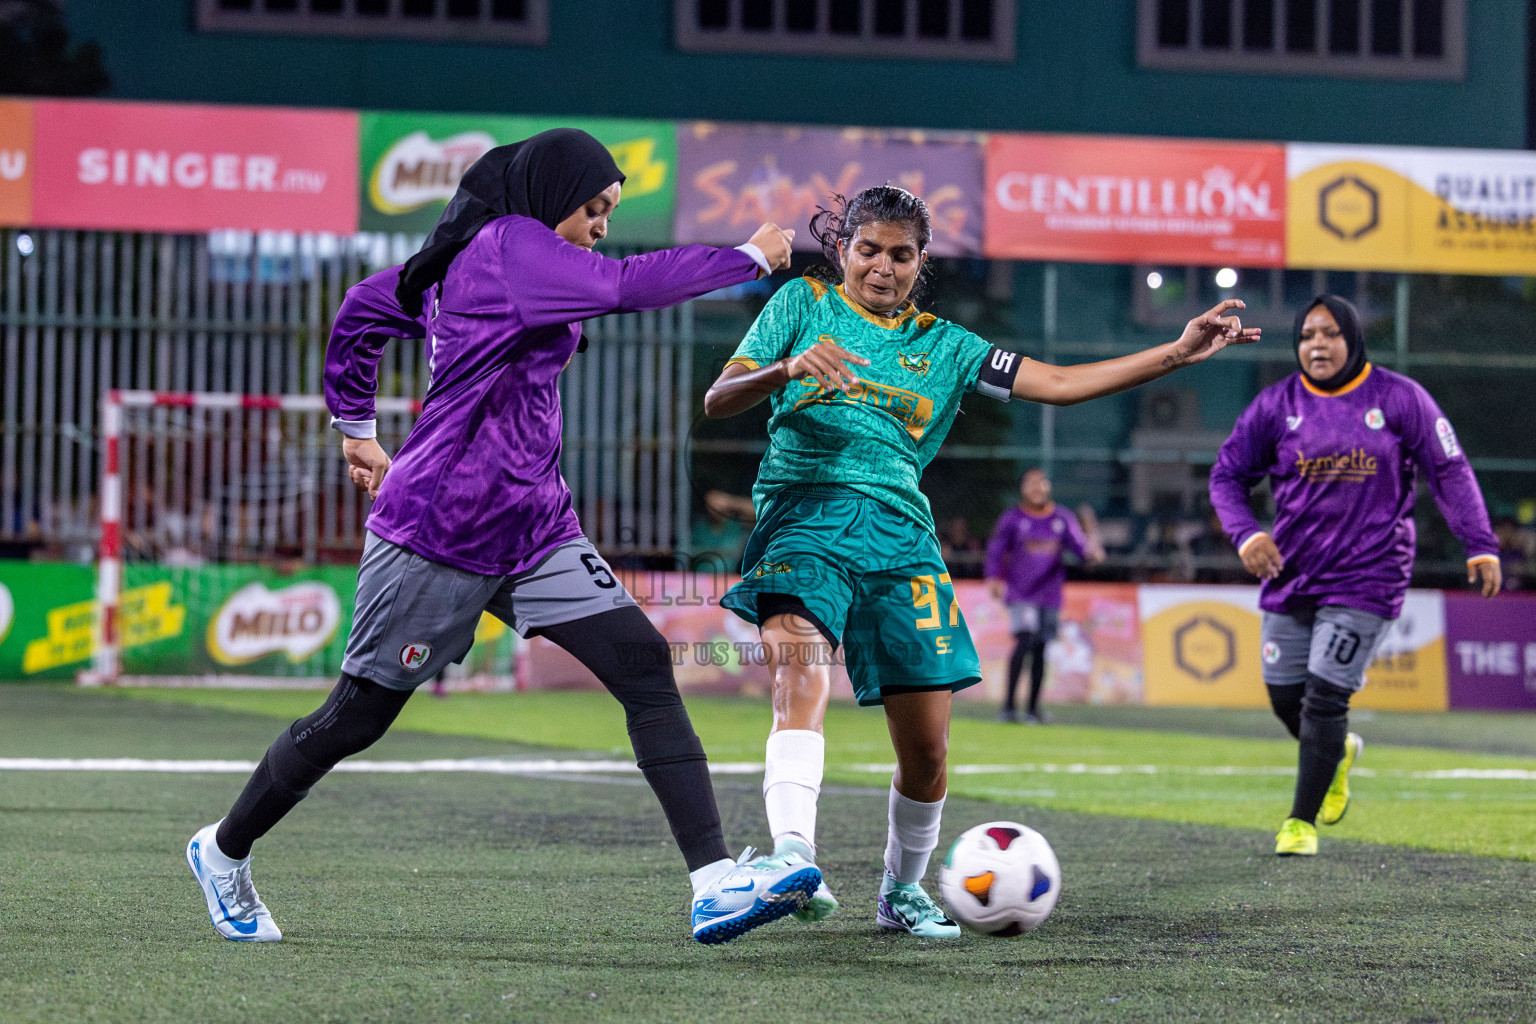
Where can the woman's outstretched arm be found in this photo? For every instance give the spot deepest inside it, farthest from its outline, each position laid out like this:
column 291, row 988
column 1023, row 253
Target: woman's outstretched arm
column 1203, row 337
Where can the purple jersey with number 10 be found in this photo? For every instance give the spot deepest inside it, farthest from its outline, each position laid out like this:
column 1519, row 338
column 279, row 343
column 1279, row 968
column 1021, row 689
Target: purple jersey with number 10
column 1343, row 466
column 1025, row 551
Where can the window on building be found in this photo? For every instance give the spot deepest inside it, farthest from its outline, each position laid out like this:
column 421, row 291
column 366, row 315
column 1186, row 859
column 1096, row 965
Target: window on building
column 1346, row 38
column 490, row 21
column 942, row 29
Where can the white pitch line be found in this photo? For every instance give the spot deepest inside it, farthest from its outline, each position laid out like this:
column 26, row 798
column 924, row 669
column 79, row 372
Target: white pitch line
column 575, row 766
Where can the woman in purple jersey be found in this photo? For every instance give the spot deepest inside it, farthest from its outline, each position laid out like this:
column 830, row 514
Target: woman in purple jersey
column 472, row 515
column 1342, row 443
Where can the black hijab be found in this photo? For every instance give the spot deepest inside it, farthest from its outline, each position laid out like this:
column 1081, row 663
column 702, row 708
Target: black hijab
column 547, row 177
column 1349, row 327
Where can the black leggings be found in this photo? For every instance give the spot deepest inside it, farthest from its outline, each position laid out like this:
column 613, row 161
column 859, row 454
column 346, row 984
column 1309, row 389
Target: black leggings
column 620, row 647
column 1026, row 645
column 1317, row 714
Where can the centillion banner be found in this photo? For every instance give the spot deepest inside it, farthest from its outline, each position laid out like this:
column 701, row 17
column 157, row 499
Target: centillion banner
column 1201, row 647
column 1452, row 211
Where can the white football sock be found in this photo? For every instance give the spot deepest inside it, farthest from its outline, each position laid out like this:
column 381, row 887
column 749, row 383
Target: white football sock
column 792, row 782
column 702, row 878
column 913, row 835
column 219, row 862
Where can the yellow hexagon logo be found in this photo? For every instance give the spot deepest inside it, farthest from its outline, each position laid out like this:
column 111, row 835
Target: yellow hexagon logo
column 1349, row 208
column 1204, row 648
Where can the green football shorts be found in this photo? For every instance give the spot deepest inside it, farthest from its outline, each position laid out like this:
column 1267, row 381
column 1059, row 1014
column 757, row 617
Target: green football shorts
column 871, row 577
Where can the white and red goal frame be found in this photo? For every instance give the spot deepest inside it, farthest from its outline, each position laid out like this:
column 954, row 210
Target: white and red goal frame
column 107, row 663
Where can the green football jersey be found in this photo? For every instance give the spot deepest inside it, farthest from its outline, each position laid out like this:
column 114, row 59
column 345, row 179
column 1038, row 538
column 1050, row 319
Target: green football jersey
column 877, row 437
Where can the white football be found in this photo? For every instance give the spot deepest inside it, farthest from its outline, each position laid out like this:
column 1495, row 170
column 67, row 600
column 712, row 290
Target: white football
column 1000, row 878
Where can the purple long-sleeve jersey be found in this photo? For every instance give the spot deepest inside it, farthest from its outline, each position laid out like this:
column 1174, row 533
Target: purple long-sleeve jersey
column 369, row 318
column 477, row 483
column 1343, row 467
column 1025, row 551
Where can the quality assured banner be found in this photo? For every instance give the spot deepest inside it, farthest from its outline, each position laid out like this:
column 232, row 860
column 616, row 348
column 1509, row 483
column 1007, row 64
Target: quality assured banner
column 1423, row 210
column 180, row 167
column 1119, row 200
column 1202, row 647
column 733, row 177
column 411, row 164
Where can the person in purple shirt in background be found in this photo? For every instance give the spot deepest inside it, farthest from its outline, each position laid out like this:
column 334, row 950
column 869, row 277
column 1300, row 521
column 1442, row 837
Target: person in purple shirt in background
column 1025, row 572
column 1342, row 443
column 472, row 515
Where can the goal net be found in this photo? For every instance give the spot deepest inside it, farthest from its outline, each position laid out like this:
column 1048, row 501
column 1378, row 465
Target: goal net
column 230, row 534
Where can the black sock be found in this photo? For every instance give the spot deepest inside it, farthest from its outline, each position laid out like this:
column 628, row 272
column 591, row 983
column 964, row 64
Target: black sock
column 1286, row 702
column 1324, row 723
column 623, row 649
column 1021, row 642
column 353, row 717
column 1036, row 675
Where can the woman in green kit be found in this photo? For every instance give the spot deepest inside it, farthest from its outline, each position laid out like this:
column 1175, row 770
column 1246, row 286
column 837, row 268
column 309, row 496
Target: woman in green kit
column 864, row 389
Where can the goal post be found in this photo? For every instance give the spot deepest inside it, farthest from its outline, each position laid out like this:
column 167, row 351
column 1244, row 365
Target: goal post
column 210, row 483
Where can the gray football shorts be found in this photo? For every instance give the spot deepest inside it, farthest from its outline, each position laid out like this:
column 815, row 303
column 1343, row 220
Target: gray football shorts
column 1039, row 619
column 415, row 616
column 1331, row 642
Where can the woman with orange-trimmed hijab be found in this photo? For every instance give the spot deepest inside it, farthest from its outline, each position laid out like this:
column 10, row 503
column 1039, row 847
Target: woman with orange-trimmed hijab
column 1342, row 443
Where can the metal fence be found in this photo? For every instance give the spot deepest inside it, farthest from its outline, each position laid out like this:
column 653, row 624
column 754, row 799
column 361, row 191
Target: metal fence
column 83, row 312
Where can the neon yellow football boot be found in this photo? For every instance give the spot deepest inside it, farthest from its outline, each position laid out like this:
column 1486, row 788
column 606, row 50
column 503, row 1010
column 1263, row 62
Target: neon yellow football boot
column 1296, row 838
column 1337, row 800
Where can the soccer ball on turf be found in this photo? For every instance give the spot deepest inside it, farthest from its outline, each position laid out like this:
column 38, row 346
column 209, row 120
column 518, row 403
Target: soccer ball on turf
column 1000, row 878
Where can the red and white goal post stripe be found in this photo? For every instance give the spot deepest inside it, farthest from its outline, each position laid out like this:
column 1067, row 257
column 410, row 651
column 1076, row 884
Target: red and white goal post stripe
column 107, row 663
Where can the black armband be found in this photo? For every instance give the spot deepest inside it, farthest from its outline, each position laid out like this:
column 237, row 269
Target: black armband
column 998, row 371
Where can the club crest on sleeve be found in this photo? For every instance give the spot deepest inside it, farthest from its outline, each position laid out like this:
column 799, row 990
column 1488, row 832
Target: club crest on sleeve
column 414, row 655
column 1374, row 419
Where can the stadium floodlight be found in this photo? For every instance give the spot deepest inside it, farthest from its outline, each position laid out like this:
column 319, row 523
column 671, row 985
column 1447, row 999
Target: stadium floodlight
column 1154, row 280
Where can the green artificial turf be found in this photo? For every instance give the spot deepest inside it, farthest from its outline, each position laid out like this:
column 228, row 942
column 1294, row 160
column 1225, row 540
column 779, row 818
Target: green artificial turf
column 486, row 898
column 1161, row 771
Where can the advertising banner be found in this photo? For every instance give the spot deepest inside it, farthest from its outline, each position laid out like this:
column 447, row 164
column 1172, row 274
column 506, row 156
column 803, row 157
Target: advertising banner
column 1491, row 652
column 411, row 164
column 1096, row 658
column 1119, row 200
column 180, row 167
column 733, row 177
column 15, row 163
column 202, row 621
column 1452, row 211
column 1202, row 646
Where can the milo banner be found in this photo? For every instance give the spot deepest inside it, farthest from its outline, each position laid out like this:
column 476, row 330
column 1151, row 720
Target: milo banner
column 411, row 163
column 202, row 622
column 1451, row 211
column 1202, row 648
column 733, row 177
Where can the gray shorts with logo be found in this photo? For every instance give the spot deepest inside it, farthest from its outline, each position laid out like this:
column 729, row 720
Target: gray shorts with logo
column 1039, row 619
column 415, row 616
column 1330, row 641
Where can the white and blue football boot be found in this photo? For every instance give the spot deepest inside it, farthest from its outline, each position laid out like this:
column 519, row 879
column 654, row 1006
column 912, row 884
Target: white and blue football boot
column 237, row 912
column 754, row 892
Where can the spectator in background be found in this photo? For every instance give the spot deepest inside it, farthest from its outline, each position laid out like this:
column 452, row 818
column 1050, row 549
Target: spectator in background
column 963, row 551
column 1025, row 571
column 723, row 528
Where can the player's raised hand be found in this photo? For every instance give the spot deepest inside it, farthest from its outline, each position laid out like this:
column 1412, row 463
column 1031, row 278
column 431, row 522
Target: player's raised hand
column 775, row 243
column 1212, row 331
column 827, row 363
column 1262, row 558
column 367, row 461
column 1487, row 575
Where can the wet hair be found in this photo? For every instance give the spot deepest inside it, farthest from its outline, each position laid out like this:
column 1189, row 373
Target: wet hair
column 877, row 204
